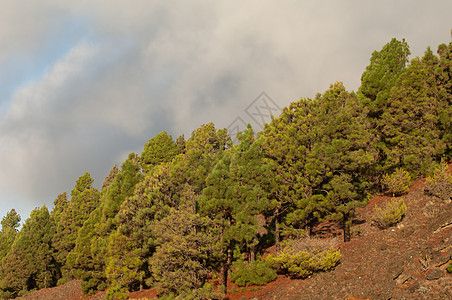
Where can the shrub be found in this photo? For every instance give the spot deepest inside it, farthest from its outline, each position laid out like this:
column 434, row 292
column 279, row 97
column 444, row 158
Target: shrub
column 205, row 292
column 398, row 183
column 301, row 258
column 117, row 292
column 390, row 214
column 449, row 268
column 257, row 272
column 440, row 184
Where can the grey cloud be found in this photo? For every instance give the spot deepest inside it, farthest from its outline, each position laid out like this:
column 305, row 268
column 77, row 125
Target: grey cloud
column 147, row 66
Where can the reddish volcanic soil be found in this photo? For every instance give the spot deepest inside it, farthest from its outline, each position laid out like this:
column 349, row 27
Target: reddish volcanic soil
column 404, row 262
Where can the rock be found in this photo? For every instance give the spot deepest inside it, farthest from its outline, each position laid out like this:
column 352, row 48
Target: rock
column 402, row 278
column 435, row 274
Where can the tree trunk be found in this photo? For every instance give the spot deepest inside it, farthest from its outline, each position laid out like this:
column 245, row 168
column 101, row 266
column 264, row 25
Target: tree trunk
column 308, row 228
column 224, row 277
column 277, row 241
column 226, row 265
column 225, row 268
column 347, row 233
column 252, row 254
column 229, row 261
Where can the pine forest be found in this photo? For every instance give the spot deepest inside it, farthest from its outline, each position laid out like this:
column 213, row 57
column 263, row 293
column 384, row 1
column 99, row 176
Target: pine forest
column 187, row 215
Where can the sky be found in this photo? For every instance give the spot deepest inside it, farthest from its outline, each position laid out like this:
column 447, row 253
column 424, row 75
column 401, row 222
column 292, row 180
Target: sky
column 84, row 83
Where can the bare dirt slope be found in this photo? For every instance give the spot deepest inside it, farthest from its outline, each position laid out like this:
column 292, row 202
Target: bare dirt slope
column 403, row 262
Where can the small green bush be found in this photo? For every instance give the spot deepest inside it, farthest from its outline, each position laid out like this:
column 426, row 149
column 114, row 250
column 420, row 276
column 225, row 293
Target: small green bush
column 449, row 268
column 257, row 272
column 398, row 183
column 390, row 214
column 62, row 281
column 205, row 292
column 117, row 292
column 301, row 258
column 440, row 184
column 5, row 294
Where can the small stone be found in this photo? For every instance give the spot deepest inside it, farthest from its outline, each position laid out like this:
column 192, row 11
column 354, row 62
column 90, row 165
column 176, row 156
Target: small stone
column 435, row 274
column 423, row 289
column 402, row 278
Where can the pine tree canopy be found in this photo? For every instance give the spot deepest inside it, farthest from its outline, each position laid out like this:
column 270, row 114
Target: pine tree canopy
column 187, row 211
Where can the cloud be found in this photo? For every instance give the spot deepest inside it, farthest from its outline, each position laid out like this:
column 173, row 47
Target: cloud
column 86, row 82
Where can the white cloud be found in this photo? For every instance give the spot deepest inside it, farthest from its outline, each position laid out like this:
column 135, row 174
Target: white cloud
column 138, row 67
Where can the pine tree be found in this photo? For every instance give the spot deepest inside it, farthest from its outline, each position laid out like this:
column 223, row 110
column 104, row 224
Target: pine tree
column 135, row 220
column 187, row 244
column 30, row 262
column 410, row 124
column 287, row 142
column 71, row 217
column 11, row 221
column 377, row 81
column 59, row 244
column 159, row 149
column 382, row 73
column 236, row 193
column 88, row 258
column 10, row 224
column 201, row 153
column 341, row 161
column 180, row 143
column 444, row 81
column 163, row 188
column 82, row 260
column 110, row 177
column 123, row 265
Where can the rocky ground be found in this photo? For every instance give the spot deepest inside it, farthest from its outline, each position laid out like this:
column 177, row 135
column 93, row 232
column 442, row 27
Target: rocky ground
column 404, row 262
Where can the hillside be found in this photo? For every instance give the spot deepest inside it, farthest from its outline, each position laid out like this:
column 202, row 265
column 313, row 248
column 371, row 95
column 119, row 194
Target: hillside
column 403, row 262
column 188, row 216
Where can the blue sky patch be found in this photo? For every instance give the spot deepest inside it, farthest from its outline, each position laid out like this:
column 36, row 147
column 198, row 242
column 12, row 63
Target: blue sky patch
column 25, row 67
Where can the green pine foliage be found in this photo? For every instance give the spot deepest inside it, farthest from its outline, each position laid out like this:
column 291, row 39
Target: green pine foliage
column 398, row 183
column 30, row 263
column 187, row 244
column 236, row 193
column 340, row 163
column 389, row 214
column 440, row 183
column 109, row 179
column 159, row 149
column 382, row 73
column 443, row 74
column 11, row 221
column 122, row 266
column 69, row 218
column 257, row 272
column 8, row 233
column 287, row 141
column 410, row 124
column 88, row 258
column 81, row 260
column 171, row 218
column 303, row 257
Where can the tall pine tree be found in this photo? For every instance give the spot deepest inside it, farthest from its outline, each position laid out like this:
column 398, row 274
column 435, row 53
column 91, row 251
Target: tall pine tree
column 30, row 263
